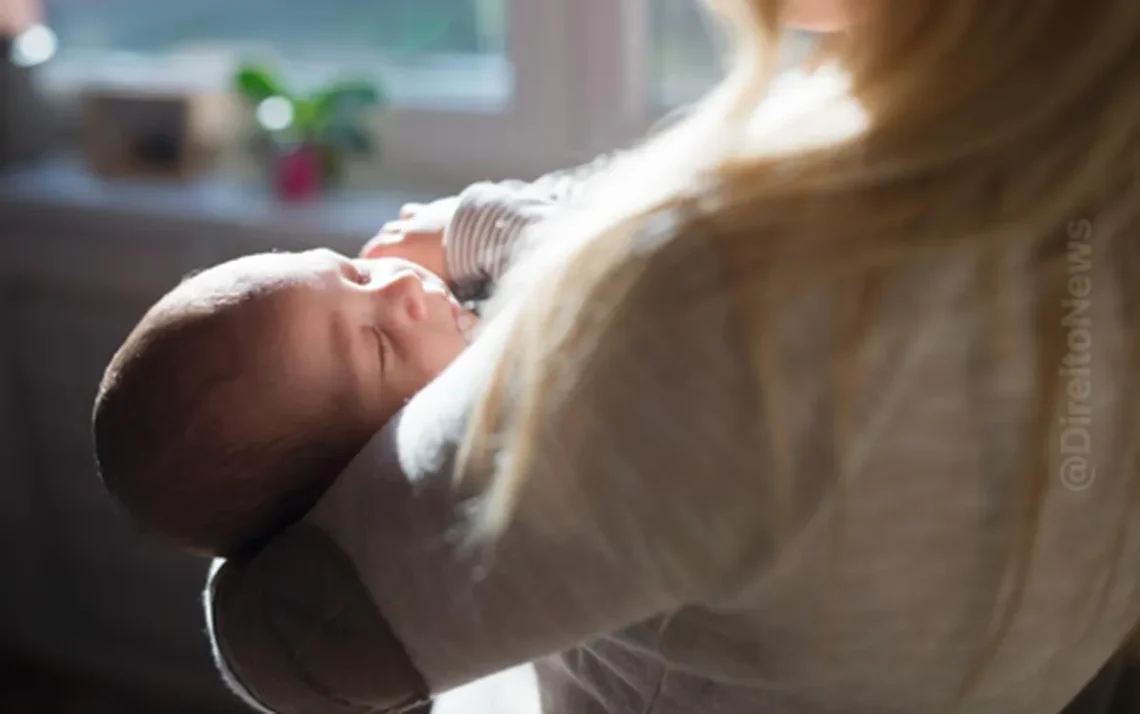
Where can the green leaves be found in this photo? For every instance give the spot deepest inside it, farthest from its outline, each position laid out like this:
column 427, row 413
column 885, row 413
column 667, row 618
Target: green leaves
column 333, row 119
column 342, row 102
column 307, row 116
column 345, row 100
column 339, row 111
column 349, row 138
column 258, row 83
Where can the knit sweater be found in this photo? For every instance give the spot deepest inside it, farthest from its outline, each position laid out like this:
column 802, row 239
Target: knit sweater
column 643, row 573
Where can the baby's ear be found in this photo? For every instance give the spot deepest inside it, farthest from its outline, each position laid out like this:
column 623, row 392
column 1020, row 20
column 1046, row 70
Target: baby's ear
column 294, row 630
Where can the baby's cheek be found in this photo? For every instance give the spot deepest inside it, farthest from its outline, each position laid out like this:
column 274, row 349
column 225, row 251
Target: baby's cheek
column 395, row 391
column 821, row 15
column 448, row 351
column 439, row 350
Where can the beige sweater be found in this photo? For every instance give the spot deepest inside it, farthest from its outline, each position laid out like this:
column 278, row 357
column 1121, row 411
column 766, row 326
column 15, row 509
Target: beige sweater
column 640, row 573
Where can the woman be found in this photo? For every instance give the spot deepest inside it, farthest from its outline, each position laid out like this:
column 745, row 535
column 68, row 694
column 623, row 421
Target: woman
column 831, row 408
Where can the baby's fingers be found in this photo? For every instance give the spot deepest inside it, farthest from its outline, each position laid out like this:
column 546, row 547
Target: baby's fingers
column 410, row 209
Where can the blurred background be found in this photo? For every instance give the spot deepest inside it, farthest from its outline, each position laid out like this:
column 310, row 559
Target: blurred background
column 143, row 139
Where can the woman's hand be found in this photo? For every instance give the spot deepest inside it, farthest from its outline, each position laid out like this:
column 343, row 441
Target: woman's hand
column 417, row 236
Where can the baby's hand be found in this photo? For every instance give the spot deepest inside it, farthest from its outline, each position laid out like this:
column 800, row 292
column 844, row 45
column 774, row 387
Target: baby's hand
column 417, row 236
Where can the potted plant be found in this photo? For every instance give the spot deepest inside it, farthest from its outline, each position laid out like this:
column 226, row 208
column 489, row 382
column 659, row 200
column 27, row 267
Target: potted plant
column 308, row 138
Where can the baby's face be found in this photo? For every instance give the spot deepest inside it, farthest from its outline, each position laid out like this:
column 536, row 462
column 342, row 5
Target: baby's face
column 367, row 333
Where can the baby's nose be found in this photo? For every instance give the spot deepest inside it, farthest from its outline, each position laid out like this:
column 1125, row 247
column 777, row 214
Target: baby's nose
column 407, row 294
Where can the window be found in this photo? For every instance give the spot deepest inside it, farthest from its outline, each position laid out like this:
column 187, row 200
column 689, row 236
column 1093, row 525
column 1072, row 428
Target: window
column 448, row 52
column 686, row 52
column 481, row 88
column 685, row 59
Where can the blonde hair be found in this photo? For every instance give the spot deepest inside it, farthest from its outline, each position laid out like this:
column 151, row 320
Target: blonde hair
column 1024, row 116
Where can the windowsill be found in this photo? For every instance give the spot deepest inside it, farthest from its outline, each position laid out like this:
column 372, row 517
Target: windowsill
column 64, row 183
column 460, row 83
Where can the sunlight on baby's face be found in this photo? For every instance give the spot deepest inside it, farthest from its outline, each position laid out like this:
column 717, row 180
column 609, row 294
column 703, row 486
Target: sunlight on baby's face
column 365, row 334
column 822, row 15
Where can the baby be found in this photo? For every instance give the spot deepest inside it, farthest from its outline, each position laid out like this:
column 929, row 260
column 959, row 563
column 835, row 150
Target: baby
column 243, row 393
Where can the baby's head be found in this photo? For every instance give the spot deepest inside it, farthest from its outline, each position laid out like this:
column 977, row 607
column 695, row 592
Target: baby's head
column 242, row 393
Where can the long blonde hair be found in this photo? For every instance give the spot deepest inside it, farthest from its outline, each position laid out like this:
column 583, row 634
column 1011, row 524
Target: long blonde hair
column 1024, row 115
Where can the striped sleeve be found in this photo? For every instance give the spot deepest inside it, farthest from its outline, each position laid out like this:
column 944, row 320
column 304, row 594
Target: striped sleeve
column 486, row 228
column 491, row 218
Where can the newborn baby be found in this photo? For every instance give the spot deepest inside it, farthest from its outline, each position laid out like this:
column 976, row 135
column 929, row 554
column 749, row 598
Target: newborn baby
column 244, row 392
column 247, row 388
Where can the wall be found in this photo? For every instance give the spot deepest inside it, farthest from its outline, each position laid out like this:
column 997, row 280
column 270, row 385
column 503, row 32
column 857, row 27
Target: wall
column 77, row 269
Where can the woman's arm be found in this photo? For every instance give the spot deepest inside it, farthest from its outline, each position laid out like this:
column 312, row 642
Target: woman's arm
column 643, row 497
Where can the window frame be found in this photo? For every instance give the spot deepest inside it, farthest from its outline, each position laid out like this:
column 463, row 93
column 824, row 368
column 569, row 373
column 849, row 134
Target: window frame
column 582, row 88
column 531, row 135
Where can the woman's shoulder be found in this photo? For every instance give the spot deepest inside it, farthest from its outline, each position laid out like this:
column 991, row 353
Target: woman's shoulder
column 660, row 267
column 677, row 266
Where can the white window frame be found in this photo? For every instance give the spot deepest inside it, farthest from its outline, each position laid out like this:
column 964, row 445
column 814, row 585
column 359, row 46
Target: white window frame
column 526, row 137
column 614, row 73
column 584, row 87
column 581, row 88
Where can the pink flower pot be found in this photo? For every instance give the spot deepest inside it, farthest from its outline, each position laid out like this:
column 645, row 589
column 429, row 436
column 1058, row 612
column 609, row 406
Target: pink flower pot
column 297, row 174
